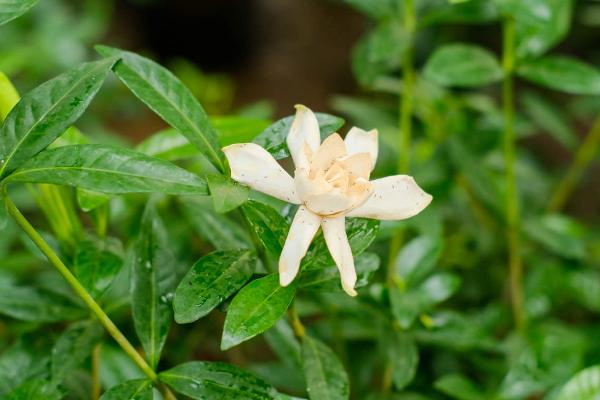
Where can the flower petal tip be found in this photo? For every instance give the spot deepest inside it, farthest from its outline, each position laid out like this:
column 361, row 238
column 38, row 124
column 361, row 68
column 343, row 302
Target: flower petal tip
column 349, row 290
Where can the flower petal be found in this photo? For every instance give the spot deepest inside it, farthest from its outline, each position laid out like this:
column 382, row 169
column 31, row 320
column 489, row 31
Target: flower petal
column 303, row 132
column 394, row 197
column 360, row 141
column 331, row 149
column 253, row 166
column 358, row 164
column 303, row 230
column 334, row 230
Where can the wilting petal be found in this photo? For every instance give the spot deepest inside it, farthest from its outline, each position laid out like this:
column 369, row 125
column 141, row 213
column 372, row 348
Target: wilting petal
column 358, row 165
column 303, row 230
column 332, row 148
column 394, row 198
column 359, row 141
column 253, row 166
column 304, row 134
column 334, row 230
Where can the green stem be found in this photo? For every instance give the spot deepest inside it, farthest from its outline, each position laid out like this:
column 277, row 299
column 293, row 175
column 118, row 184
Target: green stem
column 583, row 158
column 96, row 387
column 297, row 326
column 515, row 265
column 80, row 290
column 405, row 121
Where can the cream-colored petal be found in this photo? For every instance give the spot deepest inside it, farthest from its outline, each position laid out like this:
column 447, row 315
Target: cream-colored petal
column 334, row 230
column 304, row 136
column 360, row 141
column 253, row 166
column 335, row 202
column 358, row 164
column 303, row 230
column 394, row 198
column 331, row 149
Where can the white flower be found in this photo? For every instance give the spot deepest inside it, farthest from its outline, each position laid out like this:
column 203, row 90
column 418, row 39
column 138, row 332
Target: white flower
column 331, row 181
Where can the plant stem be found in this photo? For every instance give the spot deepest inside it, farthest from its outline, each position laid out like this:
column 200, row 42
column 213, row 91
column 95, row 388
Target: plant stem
column 297, row 326
column 80, row 290
column 515, row 265
column 96, row 387
column 583, row 158
column 405, row 121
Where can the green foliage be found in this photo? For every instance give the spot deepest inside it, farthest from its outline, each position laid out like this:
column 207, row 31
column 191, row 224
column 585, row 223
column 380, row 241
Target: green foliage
column 47, row 111
column 138, row 389
column 160, row 90
column 323, row 371
column 273, row 138
column 491, row 293
column 11, row 9
column 202, row 380
column 210, row 281
column 462, row 65
column 255, row 309
column 152, row 284
column 562, row 73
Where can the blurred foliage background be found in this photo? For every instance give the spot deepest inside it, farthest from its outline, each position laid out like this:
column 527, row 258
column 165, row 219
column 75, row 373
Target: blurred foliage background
column 442, row 326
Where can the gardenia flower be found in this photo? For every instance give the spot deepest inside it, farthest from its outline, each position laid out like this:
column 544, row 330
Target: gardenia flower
column 331, row 182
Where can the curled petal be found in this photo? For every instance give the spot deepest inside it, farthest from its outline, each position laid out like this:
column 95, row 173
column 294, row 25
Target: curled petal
column 394, row 198
column 360, row 141
column 334, row 202
column 253, row 166
column 334, row 230
column 303, row 230
column 304, row 136
column 358, row 164
column 331, row 149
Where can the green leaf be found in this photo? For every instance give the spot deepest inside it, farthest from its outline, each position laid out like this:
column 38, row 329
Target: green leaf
column 270, row 227
column 4, row 217
column 325, row 376
column 47, row 111
column 90, row 200
column 8, row 95
column 27, row 358
column 152, row 284
column 210, row 281
column 328, row 279
column 462, row 65
column 418, row 258
column 407, row 305
column 215, row 380
column 11, row 9
column 549, row 118
column 559, row 234
column 361, row 233
column 283, row 342
column 169, row 145
column 37, row 305
column 160, row 90
column 227, row 194
column 380, row 52
column 73, row 346
column 108, row 169
column 458, row 387
column 96, row 266
column 138, row 389
column 238, row 129
column 463, row 12
column 35, row 389
column 273, row 139
column 585, row 385
column 403, row 357
column 562, row 73
column 255, row 309
column 540, row 25
column 218, row 229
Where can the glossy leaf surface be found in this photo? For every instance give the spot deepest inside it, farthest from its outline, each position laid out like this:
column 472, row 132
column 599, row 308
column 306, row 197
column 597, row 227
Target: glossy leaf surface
column 210, row 281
